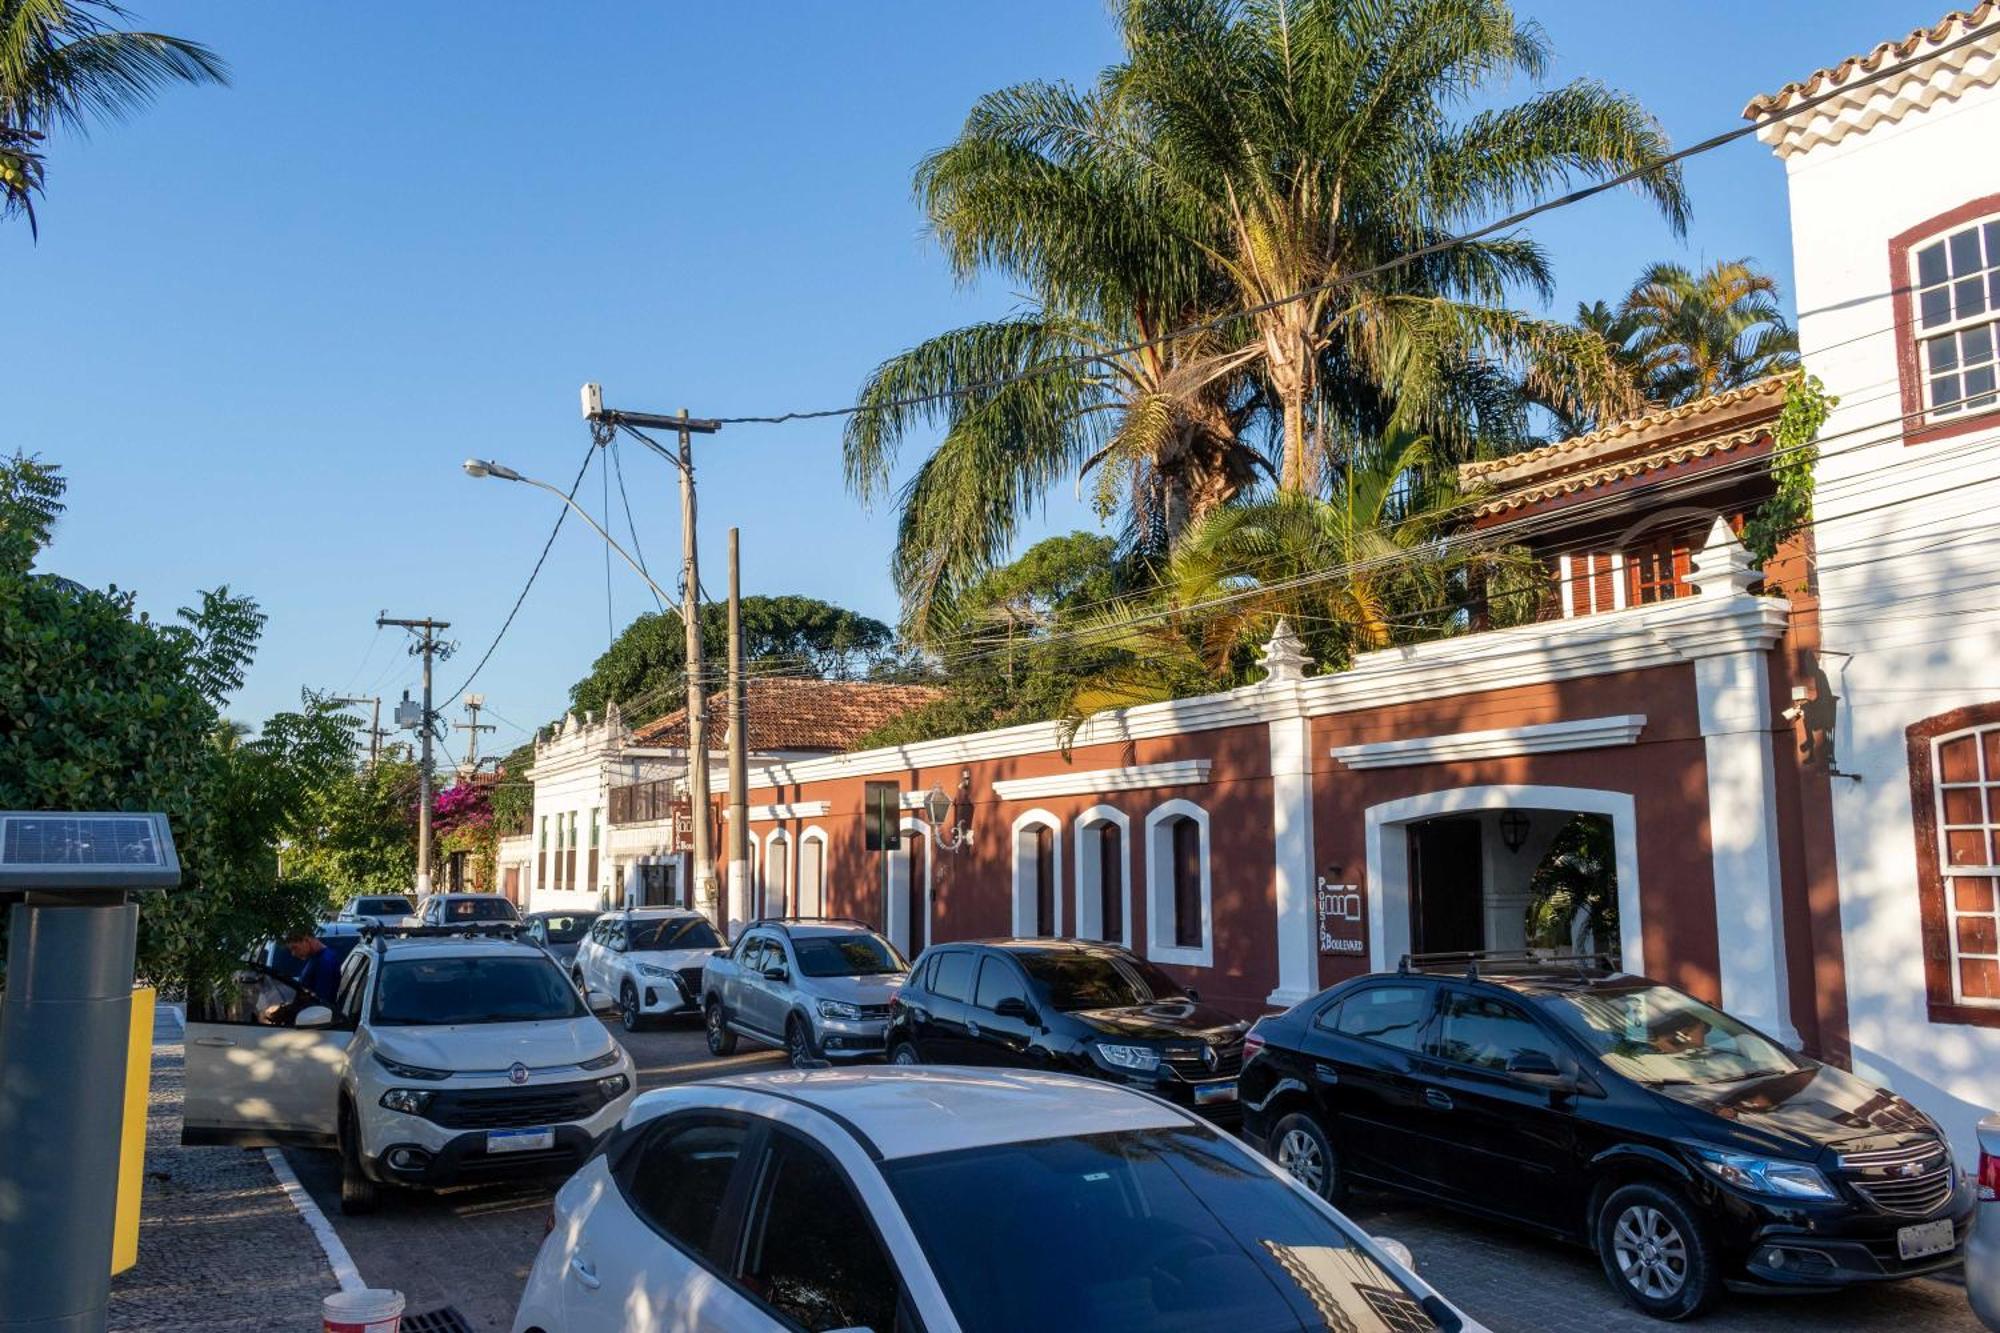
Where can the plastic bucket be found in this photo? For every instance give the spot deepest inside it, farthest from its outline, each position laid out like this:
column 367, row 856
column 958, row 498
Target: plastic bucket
column 370, row 1310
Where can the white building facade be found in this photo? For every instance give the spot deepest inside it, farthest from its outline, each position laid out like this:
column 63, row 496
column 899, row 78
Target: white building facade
column 573, row 856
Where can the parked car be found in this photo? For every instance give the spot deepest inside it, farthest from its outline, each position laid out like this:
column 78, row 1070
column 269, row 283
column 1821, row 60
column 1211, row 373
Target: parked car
column 560, row 932
column 445, row 1057
column 1687, row 1148
column 460, row 909
column 885, row 1199
column 389, row 908
column 818, row 988
column 1982, row 1248
column 647, row 961
column 1069, row 1005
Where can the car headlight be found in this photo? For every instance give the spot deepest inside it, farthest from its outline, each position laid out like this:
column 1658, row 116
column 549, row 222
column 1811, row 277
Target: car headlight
column 839, row 1009
column 612, row 1085
column 399, row 1070
column 604, row 1061
column 410, row 1101
column 1772, row 1176
column 1142, row 1059
column 654, row 970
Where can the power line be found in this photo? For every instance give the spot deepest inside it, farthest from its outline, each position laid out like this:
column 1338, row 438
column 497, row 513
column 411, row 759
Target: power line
column 638, row 552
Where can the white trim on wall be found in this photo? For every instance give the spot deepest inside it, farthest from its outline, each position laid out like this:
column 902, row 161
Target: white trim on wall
column 899, row 887
column 1160, row 946
column 1024, row 886
column 1089, row 869
column 1588, row 733
column 814, row 835
column 1132, row 777
column 796, row 810
column 776, row 839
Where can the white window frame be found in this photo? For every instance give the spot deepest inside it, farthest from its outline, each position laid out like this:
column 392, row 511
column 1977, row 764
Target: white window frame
column 1947, row 872
column 1024, row 883
column 1089, row 869
column 1959, row 410
column 1160, row 946
column 775, row 839
column 816, row 835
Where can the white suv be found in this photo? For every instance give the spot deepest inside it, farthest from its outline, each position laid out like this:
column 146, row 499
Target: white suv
column 446, row 1056
column 647, row 961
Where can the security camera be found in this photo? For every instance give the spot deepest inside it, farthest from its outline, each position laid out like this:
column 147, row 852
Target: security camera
column 593, row 401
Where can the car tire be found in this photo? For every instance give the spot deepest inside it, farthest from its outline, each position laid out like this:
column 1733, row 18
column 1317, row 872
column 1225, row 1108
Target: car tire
column 358, row 1193
column 629, row 1015
column 715, row 1021
column 1300, row 1145
column 903, row 1053
column 800, row 1048
column 1656, row 1252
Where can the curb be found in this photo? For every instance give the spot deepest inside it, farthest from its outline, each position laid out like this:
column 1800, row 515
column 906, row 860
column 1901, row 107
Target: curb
column 337, row 1257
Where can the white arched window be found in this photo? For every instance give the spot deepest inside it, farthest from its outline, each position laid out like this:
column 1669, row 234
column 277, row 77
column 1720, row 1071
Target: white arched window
column 1104, row 875
column 778, row 874
column 1037, row 837
column 1180, row 925
column 812, row 872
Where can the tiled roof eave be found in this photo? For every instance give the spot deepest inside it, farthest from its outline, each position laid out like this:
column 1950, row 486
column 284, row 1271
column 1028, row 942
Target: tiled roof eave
column 1574, row 482
column 1686, row 415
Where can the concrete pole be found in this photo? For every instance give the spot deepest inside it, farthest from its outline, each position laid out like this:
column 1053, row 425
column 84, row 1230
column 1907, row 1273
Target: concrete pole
column 63, row 1031
column 739, row 745
column 697, row 694
column 424, row 779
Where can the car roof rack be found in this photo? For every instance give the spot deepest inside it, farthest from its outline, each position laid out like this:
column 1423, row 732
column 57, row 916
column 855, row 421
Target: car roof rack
column 379, row 936
column 1472, row 962
column 780, row 921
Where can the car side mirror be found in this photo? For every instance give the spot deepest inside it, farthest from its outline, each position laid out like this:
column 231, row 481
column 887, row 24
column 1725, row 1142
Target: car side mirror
column 777, row 972
column 313, row 1016
column 1013, row 1006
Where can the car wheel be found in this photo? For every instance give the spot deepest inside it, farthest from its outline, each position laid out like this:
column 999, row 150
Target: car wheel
column 358, row 1194
column 904, row 1054
column 799, row 1048
column 721, row 1041
column 1301, row 1147
column 1655, row 1252
column 629, row 1016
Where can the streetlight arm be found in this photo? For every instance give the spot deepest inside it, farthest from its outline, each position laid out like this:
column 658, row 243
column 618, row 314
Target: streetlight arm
column 508, row 474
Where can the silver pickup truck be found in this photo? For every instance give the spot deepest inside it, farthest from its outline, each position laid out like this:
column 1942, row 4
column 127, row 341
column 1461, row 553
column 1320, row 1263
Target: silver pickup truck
column 818, row 988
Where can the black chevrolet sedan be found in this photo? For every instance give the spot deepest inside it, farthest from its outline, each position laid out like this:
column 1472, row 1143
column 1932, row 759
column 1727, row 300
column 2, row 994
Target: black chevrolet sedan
column 1688, row 1149
column 1070, row 1005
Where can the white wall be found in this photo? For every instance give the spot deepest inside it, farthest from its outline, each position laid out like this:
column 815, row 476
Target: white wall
column 1918, row 617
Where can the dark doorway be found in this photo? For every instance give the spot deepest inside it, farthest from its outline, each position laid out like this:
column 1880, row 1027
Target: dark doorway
column 1445, row 899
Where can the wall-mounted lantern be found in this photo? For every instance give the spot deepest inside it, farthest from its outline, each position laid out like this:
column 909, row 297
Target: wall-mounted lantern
column 952, row 834
column 1513, row 830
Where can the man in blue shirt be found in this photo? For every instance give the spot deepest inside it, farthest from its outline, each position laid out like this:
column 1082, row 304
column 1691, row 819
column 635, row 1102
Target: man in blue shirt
column 320, row 977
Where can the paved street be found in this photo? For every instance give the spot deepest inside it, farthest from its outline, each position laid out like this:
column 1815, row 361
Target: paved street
column 470, row 1248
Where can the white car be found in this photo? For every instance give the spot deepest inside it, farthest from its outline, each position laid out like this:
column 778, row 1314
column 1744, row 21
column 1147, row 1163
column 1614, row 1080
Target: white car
column 445, row 1057
column 384, row 909
column 940, row 1199
column 464, row 909
column 646, row 961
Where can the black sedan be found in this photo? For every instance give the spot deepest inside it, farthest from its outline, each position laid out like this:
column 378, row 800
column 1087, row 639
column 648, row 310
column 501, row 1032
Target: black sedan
column 1070, row 1005
column 1688, row 1149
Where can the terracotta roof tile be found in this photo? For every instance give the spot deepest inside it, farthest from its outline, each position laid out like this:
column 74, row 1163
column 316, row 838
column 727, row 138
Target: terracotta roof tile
column 799, row 714
column 1765, row 395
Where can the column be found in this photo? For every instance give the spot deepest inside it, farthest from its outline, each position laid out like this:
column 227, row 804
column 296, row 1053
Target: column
column 1285, row 663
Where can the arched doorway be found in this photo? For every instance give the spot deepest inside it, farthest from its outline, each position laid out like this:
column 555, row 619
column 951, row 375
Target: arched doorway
column 910, row 889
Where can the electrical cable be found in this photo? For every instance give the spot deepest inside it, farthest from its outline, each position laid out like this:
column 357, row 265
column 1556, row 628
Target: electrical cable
column 638, row 552
column 610, row 620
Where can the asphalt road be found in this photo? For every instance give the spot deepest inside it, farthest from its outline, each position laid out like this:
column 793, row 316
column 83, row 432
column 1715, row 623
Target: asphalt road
column 470, row 1249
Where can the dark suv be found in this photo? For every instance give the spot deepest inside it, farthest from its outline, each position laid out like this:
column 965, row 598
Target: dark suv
column 1069, row 1005
column 1689, row 1150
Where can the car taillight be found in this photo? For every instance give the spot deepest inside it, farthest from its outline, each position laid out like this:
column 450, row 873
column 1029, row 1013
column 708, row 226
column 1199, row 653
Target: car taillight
column 1989, row 1176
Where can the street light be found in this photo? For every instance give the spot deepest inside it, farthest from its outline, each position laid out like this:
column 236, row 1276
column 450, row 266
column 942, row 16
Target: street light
column 486, row 467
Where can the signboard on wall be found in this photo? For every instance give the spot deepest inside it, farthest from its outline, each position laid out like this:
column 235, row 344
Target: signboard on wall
column 1342, row 931
column 881, row 813
column 683, row 816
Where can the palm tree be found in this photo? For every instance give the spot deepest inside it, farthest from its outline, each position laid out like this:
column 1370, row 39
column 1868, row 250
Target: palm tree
column 66, row 64
column 1696, row 334
column 1317, row 140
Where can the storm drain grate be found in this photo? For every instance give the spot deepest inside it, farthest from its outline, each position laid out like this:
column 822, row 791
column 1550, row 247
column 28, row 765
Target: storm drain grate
column 446, row 1320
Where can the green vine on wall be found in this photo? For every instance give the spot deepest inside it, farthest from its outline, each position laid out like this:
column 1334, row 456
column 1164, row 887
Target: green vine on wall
column 1794, row 458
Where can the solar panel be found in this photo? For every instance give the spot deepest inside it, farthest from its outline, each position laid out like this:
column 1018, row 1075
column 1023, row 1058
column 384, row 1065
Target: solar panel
column 82, row 850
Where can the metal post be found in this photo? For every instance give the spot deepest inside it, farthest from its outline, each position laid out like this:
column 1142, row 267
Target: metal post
column 739, row 747
column 697, row 695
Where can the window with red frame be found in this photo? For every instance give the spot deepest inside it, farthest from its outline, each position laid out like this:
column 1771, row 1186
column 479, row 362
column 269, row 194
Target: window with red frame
column 1967, row 768
column 1956, row 281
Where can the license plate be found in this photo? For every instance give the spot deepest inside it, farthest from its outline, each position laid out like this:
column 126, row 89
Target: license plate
column 519, row 1140
column 1207, row 1094
column 1925, row 1239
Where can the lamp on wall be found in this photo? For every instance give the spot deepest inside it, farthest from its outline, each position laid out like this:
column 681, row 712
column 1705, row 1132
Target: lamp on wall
column 1513, row 829
column 940, row 806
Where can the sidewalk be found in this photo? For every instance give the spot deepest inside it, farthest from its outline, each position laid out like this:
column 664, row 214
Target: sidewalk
column 221, row 1248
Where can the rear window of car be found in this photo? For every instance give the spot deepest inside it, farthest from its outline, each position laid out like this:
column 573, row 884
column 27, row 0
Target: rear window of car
column 565, row 929
column 479, row 909
column 384, row 907
column 951, row 976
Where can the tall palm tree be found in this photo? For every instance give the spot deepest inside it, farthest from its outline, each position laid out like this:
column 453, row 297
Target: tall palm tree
column 1317, row 140
column 67, row 64
column 1695, row 334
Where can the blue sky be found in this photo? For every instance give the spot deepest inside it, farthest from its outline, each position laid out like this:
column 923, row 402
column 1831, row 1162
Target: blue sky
column 263, row 324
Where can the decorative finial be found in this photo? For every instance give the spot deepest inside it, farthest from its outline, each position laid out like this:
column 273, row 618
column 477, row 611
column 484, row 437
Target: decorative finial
column 1284, row 659
column 1722, row 567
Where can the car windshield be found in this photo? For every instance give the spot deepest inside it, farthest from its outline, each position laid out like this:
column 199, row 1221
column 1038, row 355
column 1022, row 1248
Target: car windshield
column 479, row 909
column 1658, row 1035
column 383, row 907
column 674, row 932
column 566, row 929
column 1097, row 980
column 477, row 989
column 855, row 955
column 1167, row 1229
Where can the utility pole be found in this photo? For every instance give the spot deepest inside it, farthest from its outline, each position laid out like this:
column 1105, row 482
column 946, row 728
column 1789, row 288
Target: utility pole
column 375, row 731
column 739, row 746
column 422, row 720
column 473, row 703
column 603, row 421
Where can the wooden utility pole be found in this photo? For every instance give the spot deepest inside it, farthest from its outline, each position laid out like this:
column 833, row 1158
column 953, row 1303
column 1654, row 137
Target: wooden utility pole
column 422, row 721
column 739, row 749
column 473, row 703
column 375, row 730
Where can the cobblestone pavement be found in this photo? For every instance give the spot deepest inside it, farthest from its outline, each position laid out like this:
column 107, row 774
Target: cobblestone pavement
column 1515, row 1283
column 221, row 1248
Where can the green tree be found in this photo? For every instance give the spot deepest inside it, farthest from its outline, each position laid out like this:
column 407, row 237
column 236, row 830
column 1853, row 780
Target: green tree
column 67, row 65
column 359, row 833
column 1696, row 334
